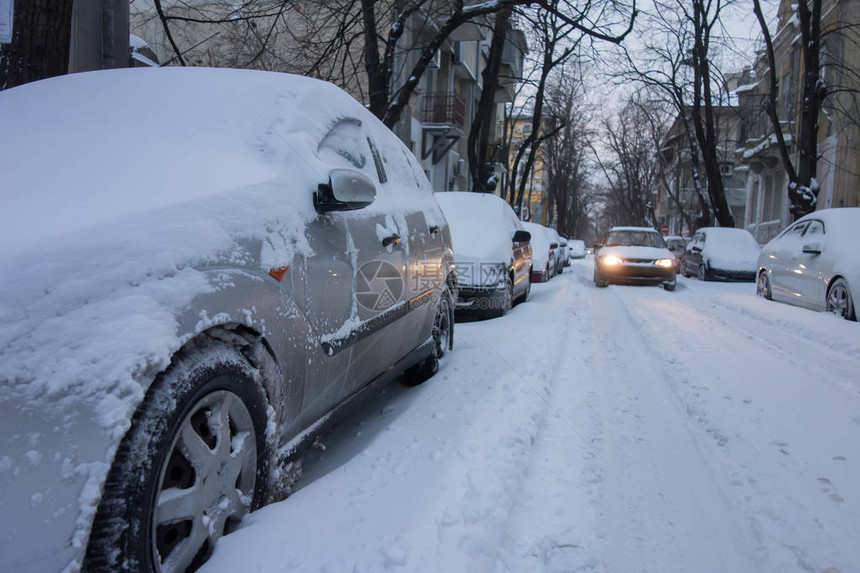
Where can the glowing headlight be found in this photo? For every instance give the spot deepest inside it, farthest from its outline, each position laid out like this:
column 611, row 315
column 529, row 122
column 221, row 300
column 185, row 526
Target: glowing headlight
column 610, row 261
column 665, row 263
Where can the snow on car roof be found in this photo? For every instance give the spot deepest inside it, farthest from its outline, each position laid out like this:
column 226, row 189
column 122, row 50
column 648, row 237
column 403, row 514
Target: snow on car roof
column 83, row 148
column 482, row 224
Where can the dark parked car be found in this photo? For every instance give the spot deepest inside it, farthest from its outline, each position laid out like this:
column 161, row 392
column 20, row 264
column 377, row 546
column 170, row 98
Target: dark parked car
column 633, row 255
column 492, row 252
column 815, row 263
column 721, row 253
column 190, row 291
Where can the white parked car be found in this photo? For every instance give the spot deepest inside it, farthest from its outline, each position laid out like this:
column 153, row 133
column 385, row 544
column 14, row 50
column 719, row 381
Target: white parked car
column 815, row 263
column 543, row 253
column 721, row 253
column 491, row 250
column 576, row 248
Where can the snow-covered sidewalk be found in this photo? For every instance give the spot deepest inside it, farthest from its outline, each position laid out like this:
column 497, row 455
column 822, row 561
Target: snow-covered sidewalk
column 612, row 430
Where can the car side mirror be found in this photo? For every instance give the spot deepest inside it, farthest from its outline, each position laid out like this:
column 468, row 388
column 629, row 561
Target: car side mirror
column 346, row 190
column 522, row 237
column 812, row 249
column 696, row 249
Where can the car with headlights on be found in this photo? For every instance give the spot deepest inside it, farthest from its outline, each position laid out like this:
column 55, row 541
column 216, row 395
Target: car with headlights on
column 721, row 253
column 633, row 255
column 201, row 269
column 814, row 263
column 543, row 252
column 491, row 249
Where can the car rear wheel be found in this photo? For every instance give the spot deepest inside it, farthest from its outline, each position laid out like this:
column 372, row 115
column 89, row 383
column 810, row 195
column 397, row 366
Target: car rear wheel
column 193, row 463
column 525, row 295
column 762, row 286
column 839, row 300
column 442, row 336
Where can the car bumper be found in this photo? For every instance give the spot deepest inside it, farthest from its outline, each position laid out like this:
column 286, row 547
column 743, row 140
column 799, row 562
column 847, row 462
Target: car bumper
column 729, row 275
column 637, row 274
column 479, row 298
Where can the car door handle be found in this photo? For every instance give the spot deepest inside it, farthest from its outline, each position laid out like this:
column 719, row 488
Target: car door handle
column 434, row 229
column 392, row 240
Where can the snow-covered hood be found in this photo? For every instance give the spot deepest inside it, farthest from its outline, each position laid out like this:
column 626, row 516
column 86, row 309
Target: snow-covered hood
column 633, row 252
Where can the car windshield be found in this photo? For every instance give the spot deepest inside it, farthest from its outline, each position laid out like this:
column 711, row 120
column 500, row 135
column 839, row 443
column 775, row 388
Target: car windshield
column 634, row 239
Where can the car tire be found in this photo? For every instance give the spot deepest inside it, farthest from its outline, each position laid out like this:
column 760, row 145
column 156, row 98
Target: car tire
column 201, row 430
column 670, row 286
column 442, row 336
column 684, row 270
column 507, row 301
column 762, row 286
column 839, row 300
column 702, row 273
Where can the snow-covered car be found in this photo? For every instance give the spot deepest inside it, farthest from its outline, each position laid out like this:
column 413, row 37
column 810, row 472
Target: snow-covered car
column 633, row 255
column 560, row 250
column 721, row 253
column 815, row 263
column 677, row 244
column 576, row 248
column 200, row 268
column 491, row 249
column 543, row 253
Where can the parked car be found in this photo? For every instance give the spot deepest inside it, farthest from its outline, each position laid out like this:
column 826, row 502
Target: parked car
column 560, row 250
column 543, row 253
column 492, row 252
column 576, row 248
column 721, row 253
column 677, row 244
column 633, row 255
column 815, row 263
column 201, row 267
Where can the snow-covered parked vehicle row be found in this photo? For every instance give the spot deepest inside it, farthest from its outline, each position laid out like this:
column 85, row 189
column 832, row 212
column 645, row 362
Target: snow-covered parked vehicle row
column 492, row 252
column 199, row 269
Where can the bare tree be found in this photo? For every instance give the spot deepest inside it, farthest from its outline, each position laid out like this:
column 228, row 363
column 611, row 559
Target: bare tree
column 40, row 42
column 678, row 61
column 356, row 43
column 632, row 171
column 567, row 162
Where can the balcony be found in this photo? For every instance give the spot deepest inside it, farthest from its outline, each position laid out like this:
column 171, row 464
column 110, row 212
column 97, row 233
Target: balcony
column 443, row 108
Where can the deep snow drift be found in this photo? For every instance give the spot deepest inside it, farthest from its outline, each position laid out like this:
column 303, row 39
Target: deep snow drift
column 609, row 430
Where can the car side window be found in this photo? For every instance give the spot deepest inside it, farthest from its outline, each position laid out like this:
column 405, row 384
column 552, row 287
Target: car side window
column 345, row 144
column 814, row 230
column 796, row 231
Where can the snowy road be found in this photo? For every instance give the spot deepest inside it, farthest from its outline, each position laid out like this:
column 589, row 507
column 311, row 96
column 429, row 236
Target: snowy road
column 608, row 430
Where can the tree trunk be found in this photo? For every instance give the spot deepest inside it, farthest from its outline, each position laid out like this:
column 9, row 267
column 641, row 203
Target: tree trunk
column 483, row 125
column 41, row 36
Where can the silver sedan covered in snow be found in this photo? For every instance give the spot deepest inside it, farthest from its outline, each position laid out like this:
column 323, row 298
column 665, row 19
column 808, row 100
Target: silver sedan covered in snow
column 199, row 267
column 815, row 263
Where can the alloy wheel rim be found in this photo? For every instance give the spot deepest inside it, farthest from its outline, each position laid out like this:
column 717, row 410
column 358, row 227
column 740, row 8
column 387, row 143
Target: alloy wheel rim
column 837, row 300
column 762, row 286
column 442, row 327
column 207, row 483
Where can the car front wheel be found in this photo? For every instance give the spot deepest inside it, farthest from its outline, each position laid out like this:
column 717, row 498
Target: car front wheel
column 193, row 463
column 839, row 300
column 762, row 286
